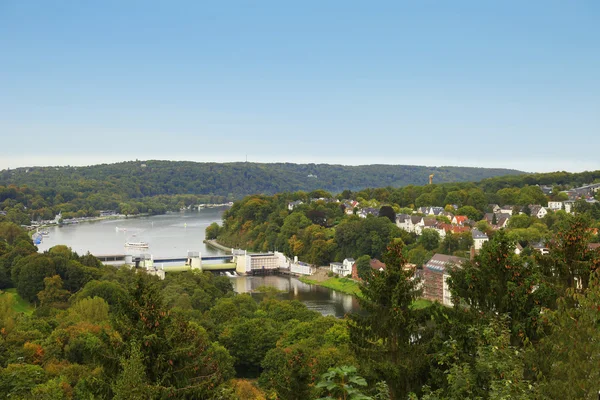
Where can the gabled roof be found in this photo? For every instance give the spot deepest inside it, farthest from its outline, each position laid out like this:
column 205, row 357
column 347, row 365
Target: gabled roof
column 477, row 234
column 402, row 217
column 460, row 219
column 416, row 219
column 439, row 262
column 454, row 228
column 436, row 210
column 376, row 264
column 430, row 222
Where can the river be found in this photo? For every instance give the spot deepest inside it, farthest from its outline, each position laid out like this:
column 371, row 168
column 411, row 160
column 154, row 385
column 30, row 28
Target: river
column 172, row 236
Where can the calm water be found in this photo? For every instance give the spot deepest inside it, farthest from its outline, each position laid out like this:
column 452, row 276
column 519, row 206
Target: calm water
column 172, row 235
column 324, row 300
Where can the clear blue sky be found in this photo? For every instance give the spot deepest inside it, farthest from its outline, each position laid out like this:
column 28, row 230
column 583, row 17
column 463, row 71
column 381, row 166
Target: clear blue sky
column 479, row 83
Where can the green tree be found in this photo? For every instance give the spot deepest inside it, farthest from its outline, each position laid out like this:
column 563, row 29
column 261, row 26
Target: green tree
column 29, row 273
column 419, row 256
column 471, row 212
column 248, row 341
column 388, row 212
column 567, row 358
column 132, row 383
column 53, row 294
column 570, row 260
column 363, row 266
column 94, row 310
column 494, row 370
column 212, row 231
column 498, row 281
column 383, row 338
column 342, row 383
column 429, row 239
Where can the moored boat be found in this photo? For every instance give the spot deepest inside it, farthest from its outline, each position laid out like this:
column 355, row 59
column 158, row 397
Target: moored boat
column 140, row 245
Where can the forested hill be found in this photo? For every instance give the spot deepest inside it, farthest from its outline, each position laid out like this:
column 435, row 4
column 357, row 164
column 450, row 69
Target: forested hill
column 234, row 180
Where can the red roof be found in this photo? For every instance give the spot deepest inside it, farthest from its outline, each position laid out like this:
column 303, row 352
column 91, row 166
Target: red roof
column 455, row 228
column 461, row 218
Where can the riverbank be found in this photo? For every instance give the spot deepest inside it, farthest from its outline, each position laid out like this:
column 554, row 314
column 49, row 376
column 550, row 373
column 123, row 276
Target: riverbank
column 217, row 245
column 352, row 287
column 343, row 285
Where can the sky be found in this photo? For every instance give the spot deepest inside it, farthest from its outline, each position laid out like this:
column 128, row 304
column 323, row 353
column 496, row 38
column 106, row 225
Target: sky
column 512, row 84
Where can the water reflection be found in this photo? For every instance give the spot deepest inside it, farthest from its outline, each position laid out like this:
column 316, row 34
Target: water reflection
column 323, row 300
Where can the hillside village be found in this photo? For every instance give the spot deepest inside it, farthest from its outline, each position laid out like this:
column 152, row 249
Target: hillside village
column 444, row 221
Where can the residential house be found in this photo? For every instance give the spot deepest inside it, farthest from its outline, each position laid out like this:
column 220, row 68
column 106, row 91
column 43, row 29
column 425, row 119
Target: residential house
column 494, row 207
column 422, row 210
column 447, row 214
column 376, row 265
column 479, row 238
column 435, row 211
column 507, row 209
column 403, row 221
column 502, row 221
column 555, row 205
column 412, row 223
column 569, row 204
column 538, row 211
column 432, row 223
column 2, row 212
column 541, row 247
column 456, row 229
column 459, row 219
column 350, row 205
column 342, row 269
column 434, row 277
column 336, row 267
column 293, row 204
column 364, row 212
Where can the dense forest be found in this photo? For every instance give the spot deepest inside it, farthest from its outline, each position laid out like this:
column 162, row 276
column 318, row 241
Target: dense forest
column 155, row 187
column 230, row 180
column 71, row 328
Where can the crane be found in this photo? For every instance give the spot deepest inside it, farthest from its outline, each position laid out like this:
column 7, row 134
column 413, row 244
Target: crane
column 431, row 178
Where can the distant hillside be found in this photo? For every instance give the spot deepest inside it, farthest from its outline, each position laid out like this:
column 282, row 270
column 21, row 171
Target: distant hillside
column 234, row 180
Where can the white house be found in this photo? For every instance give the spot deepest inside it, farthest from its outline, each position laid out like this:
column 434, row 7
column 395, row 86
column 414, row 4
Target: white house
column 479, row 238
column 569, row 205
column 538, row 211
column 507, row 210
column 342, row 269
column 555, row 205
column 410, row 223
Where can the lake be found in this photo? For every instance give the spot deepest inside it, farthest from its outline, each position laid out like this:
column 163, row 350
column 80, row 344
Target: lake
column 172, row 236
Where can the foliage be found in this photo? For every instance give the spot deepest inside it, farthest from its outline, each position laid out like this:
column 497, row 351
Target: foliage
column 499, row 281
column 342, row 383
column 363, row 266
column 568, row 358
column 383, row 337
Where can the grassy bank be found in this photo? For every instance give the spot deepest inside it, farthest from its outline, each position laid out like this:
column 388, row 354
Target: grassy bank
column 343, row 285
column 352, row 287
column 19, row 305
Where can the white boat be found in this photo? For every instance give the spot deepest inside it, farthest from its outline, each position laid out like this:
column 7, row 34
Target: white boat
column 139, row 245
column 120, row 229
